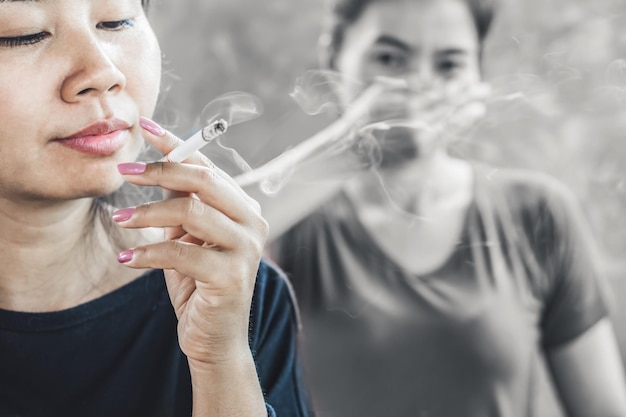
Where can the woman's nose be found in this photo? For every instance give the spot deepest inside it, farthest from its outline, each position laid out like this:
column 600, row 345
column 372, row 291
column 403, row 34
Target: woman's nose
column 93, row 70
column 419, row 80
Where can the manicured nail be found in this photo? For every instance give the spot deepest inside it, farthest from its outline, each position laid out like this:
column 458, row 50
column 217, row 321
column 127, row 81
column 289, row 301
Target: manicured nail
column 125, row 256
column 131, row 168
column 151, row 126
column 124, row 214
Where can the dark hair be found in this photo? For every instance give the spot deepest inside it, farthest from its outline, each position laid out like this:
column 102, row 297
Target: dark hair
column 343, row 13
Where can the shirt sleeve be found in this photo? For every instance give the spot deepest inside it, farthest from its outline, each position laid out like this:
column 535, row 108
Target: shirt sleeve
column 576, row 295
column 274, row 340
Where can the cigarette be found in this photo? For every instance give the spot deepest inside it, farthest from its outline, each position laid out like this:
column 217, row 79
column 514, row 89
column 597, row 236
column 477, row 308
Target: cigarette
column 197, row 141
column 291, row 158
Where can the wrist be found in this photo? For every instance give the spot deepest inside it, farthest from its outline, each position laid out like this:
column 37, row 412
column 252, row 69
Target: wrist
column 215, row 358
column 231, row 385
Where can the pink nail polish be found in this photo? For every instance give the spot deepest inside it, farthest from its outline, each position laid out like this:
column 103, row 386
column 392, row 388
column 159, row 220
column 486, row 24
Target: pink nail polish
column 124, row 214
column 131, row 168
column 151, row 126
column 125, row 256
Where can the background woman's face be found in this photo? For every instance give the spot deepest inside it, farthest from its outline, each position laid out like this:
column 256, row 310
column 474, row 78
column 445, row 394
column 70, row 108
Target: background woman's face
column 64, row 65
column 421, row 41
column 427, row 43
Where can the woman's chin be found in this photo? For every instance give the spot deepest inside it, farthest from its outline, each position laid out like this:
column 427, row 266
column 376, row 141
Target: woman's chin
column 103, row 188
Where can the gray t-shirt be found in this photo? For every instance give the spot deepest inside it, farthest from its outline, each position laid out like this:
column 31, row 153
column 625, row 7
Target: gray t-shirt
column 466, row 340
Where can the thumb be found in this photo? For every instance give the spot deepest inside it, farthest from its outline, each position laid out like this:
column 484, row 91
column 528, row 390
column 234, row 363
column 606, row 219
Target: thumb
column 165, row 141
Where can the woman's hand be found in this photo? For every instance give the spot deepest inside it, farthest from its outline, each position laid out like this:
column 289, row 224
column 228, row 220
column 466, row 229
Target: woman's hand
column 433, row 117
column 214, row 241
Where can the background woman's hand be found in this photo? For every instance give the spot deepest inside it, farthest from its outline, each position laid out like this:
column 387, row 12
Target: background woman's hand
column 214, row 241
column 435, row 117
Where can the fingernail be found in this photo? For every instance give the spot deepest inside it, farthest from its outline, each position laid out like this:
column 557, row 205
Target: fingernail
column 131, row 168
column 124, row 214
column 151, row 126
column 125, row 256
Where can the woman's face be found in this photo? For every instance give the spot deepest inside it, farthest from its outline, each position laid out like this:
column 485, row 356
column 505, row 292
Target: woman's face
column 421, row 41
column 427, row 43
column 75, row 76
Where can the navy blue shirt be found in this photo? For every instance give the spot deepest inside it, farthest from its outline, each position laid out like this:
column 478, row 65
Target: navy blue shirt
column 118, row 355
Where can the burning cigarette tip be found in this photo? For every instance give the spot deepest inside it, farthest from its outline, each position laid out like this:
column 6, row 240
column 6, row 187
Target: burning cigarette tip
column 214, row 130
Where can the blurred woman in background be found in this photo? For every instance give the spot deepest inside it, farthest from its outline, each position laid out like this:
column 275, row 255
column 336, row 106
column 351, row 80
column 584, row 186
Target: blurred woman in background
column 429, row 285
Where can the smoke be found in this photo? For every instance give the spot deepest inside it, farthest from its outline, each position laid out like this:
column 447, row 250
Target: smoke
column 385, row 124
column 317, row 91
column 235, row 107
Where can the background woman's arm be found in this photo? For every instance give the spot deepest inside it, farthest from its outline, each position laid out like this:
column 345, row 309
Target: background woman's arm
column 589, row 375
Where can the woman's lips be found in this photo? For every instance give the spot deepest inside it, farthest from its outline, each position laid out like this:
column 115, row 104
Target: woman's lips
column 99, row 145
column 101, row 138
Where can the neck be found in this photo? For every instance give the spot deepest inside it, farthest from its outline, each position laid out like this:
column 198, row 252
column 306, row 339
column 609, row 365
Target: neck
column 48, row 255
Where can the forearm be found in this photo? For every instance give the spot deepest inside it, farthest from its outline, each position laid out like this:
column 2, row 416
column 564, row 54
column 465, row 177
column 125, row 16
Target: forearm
column 227, row 390
column 292, row 204
column 305, row 189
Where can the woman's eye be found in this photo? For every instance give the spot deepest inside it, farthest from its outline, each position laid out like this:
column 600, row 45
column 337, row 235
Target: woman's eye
column 116, row 24
column 449, row 67
column 390, row 59
column 24, row 40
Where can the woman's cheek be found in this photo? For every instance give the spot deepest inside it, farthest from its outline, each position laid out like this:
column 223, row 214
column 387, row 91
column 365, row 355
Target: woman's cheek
column 144, row 71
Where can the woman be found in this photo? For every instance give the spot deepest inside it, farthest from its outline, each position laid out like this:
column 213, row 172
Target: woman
column 187, row 320
column 430, row 286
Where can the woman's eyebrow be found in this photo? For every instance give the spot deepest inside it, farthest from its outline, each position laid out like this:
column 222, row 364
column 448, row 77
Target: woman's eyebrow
column 452, row 51
column 392, row 41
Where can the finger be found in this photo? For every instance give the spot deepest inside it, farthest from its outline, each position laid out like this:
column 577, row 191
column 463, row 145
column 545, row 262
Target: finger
column 202, row 222
column 467, row 97
column 417, row 102
column 204, row 182
column 219, row 269
column 438, row 102
column 389, row 105
column 165, row 141
column 470, row 93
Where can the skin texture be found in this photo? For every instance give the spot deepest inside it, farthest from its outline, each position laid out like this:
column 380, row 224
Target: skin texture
column 434, row 48
column 45, row 73
column 64, row 65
